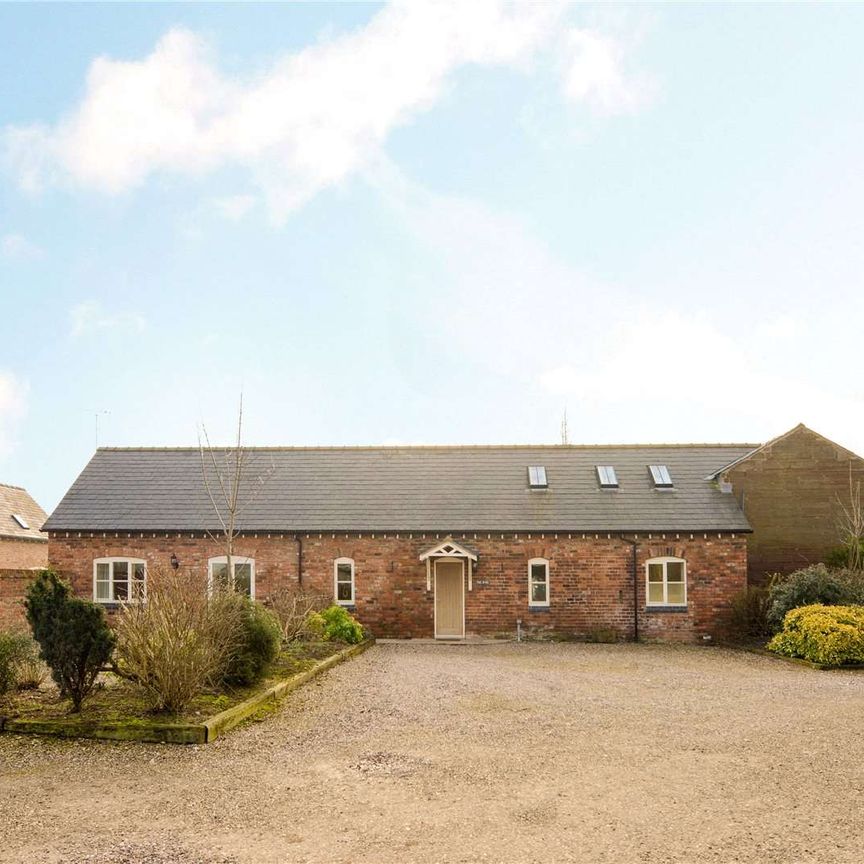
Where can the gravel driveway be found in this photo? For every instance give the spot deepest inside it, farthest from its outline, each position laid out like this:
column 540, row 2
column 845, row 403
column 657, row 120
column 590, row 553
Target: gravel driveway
column 437, row 753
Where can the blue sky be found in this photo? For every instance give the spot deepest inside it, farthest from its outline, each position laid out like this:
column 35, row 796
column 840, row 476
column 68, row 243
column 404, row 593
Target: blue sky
column 411, row 224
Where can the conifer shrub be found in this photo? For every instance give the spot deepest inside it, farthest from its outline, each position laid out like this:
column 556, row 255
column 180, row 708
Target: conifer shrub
column 73, row 635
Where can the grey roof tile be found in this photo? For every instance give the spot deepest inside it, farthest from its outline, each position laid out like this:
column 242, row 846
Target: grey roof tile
column 442, row 489
column 15, row 500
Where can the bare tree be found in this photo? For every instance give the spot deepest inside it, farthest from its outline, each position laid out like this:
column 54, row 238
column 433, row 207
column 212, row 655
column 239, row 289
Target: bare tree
column 226, row 472
column 850, row 524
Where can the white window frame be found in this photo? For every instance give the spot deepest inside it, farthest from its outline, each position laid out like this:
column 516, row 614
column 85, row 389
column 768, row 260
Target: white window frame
column 235, row 560
column 661, row 476
column 665, row 560
column 336, row 599
column 538, row 604
column 110, row 561
column 537, row 477
column 607, row 477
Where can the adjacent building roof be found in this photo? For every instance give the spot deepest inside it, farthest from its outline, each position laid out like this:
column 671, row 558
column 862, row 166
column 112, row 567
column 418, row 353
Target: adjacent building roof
column 797, row 430
column 21, row 518
column 440, row 489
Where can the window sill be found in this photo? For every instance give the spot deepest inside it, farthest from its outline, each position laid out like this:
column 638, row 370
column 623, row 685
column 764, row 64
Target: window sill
column 650, row 609
column 538, row 608
column 345, row 605
column 114, row 605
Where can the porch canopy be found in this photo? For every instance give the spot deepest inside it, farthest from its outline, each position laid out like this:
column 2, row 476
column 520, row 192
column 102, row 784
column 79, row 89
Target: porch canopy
column 448, row 549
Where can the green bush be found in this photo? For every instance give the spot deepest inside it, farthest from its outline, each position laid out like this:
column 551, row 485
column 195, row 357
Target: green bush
column 748, row 616
column 838, row 558
column 829, row 635
column 340, row 626
column 814, row 584
column 258, row 646
column 46, row 595
column 313, row 628
column 13, row 650
column 73, row 636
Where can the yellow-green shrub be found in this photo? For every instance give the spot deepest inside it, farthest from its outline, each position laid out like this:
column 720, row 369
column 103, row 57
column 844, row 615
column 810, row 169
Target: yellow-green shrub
column 829, row 635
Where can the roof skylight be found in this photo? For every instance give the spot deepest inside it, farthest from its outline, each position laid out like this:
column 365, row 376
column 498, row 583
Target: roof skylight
column 661, row 477
column 21, row 520
column 607, row 477
column 537, row 477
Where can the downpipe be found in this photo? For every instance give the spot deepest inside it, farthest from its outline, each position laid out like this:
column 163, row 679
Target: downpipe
column 633, row 573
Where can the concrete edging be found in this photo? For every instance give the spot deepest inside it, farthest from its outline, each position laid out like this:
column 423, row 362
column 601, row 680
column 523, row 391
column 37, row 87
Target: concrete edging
column 226, row 720
column 180, row 733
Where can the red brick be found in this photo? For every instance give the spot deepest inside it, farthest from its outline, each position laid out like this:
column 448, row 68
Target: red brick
column 591, row 586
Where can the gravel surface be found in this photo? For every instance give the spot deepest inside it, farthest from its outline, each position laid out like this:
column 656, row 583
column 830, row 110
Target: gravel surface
column 488, row 753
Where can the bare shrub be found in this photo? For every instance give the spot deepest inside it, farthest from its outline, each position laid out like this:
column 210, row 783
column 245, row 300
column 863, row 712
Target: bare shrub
column 748, row 615
column 850, row 525
column 180, row 641
column 292, row 608
column 32, row 671
column 12, row 649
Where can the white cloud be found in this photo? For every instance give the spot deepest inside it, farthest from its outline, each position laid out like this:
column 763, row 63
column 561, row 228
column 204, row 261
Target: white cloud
column 313, row 118
column 673, row 363
column 595, row 74
column 13, row 407
column 234, row 208
column 500, row 298
column 90, row 316
column 505, row 299
column 16, row 247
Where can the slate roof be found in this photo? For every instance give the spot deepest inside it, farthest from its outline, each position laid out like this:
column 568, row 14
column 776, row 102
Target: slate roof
column 14, row 499
column 441, row 489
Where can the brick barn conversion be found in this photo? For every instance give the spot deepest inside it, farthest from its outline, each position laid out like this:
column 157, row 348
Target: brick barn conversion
column 577, row 541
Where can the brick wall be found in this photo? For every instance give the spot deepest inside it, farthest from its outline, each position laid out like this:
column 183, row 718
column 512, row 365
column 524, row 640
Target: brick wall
column 591, row 585
column 16, row 554
column 789, row 491
column 13, row 584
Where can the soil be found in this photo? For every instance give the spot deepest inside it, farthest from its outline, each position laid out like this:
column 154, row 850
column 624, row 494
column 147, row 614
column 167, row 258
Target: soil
column 486, row 753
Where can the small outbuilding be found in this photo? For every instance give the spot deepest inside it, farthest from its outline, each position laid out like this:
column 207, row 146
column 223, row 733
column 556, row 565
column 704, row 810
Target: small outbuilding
column 23, row 545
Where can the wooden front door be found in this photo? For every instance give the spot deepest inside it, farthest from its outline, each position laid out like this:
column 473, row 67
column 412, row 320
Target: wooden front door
column 449, row 600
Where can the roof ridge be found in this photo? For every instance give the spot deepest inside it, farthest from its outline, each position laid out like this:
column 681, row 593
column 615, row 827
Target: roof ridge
column 356, row 447
column 13, row 486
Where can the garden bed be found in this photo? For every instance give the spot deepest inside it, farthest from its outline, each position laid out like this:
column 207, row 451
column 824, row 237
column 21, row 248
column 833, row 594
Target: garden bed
column 119, row 711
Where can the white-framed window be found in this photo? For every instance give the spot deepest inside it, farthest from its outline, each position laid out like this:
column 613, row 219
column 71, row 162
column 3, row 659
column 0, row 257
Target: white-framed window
column 666, row 582
column 241, row 580
column 537, row 477
column 119, row 580
column 538, row 582
column 343, row 581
